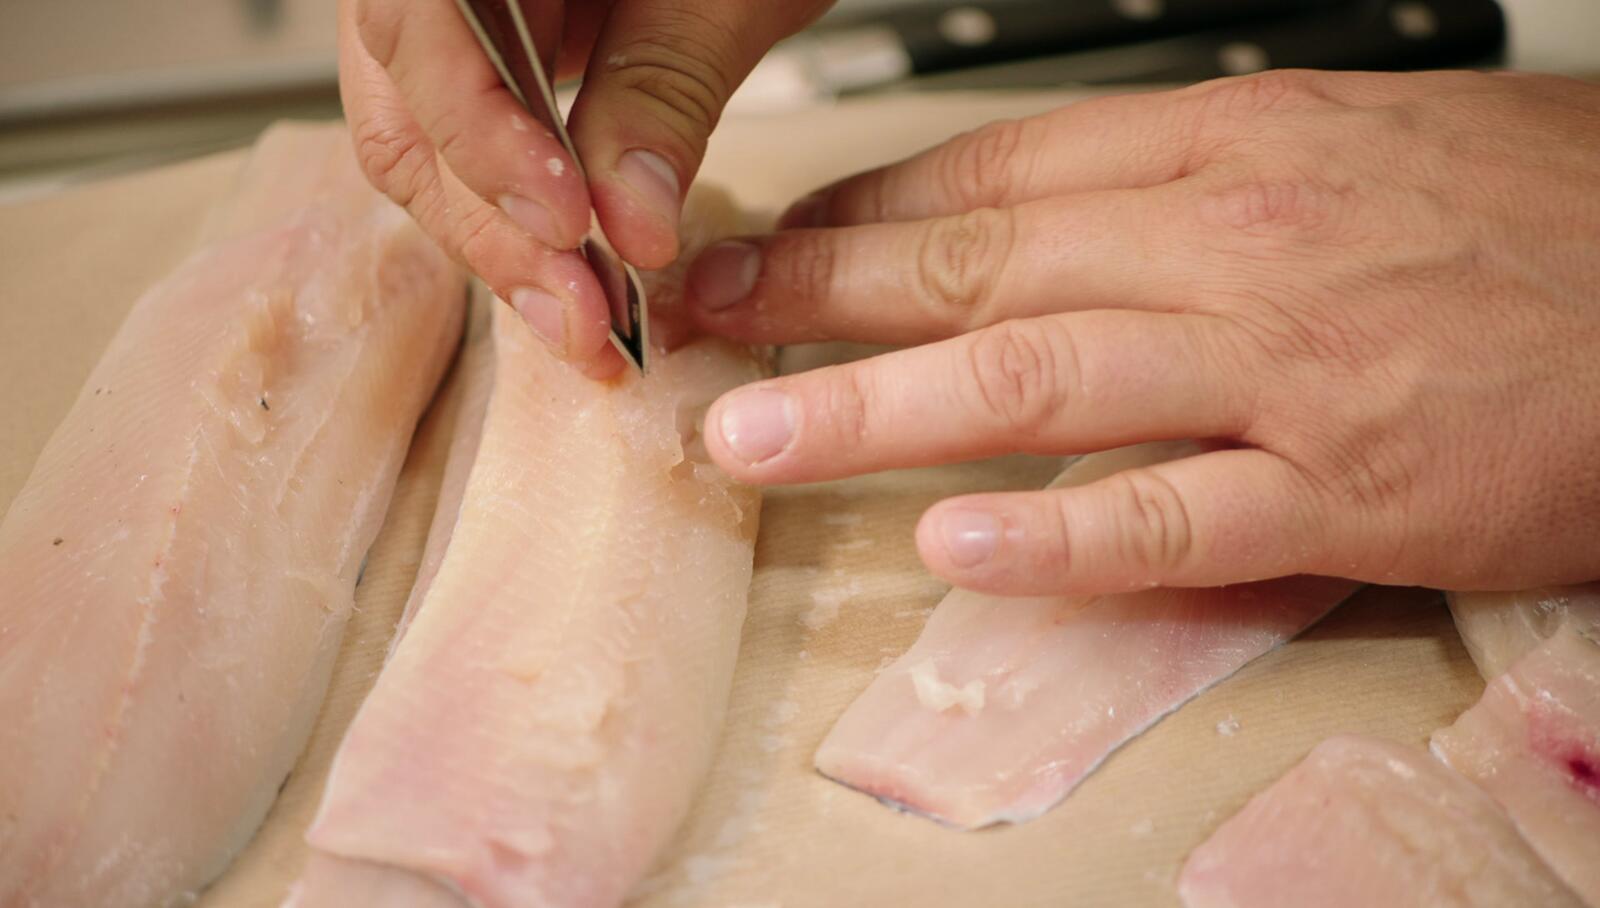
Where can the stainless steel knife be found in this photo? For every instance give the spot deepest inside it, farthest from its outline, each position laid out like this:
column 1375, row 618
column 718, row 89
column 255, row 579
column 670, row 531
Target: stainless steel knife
column 521, row 39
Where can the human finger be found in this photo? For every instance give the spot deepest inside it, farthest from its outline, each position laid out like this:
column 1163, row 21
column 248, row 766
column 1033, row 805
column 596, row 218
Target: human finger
column 554, row 291
column 1060, row 384
column 1222, row 517
column 1118, row 142
column 904, row 283
column 658, row 78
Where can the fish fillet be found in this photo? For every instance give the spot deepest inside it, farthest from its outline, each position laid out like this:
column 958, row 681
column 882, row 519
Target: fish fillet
column 1362, row 821
column 1499, row 628
column 540, row 728
column 1533, row 743
column 1002, row 706
column 176, row 572
column 474, row 372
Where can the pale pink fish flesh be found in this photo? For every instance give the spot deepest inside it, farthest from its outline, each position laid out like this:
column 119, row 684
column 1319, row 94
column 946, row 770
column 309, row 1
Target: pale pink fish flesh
column 176, row 573
column 1499, row 628
column 1361, row 821
column 1533, row 743
column 544, row 721
column 474, row 374
column 1003, row 706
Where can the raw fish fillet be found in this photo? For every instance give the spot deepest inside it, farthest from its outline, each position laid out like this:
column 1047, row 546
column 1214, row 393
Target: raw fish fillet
column 1003, row 706
column 176, row 573
column 541, row 727
column 1367, row 822
column 1499, row 628
column 1533, row 743
column 474, row 372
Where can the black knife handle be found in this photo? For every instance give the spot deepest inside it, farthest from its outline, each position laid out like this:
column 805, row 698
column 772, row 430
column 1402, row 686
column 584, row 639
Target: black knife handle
column 945, row 36
column 1389, row 35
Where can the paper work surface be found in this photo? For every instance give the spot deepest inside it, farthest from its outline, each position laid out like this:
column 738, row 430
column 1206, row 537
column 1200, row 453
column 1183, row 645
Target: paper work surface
column 838, row 591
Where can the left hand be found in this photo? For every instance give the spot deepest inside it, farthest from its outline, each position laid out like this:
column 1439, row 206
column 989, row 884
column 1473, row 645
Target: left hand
column 436, row 131
column 1379, row 294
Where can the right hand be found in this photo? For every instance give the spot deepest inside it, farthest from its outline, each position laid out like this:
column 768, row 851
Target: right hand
column 436, row 131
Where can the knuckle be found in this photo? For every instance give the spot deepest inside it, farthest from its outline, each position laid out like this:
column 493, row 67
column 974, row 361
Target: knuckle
column 845, row 405
column 1156, row 532
column 1369, row 468
column 981, row 166
column 960, row 259
column 451, row 132
column 677, row 67
column 393, row 157
column 1058, row 526
column 680, row 95
column 1261, row 333
column 473, row 233
column 1272, row 90
column 803, row 265
column 875, row 197
column 1288, row 332
column 1022, row 373
column 1395, row 119
column 1285, row 208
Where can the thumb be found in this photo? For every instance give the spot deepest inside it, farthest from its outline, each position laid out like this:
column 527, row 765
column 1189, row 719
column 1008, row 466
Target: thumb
column 658, row 78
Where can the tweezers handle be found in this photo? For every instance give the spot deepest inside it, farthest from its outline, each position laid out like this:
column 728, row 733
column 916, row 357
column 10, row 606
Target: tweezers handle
column 522, row 45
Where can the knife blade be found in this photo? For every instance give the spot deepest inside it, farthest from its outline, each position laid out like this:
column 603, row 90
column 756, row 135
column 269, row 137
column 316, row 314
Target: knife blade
column 521, row 38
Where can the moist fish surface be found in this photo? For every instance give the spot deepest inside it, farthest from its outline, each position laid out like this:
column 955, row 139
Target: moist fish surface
column 1499, row 628
column 1002, row 706
column 1533, row 743
column 177, row 570
column 1361, row 821
column 555, row 697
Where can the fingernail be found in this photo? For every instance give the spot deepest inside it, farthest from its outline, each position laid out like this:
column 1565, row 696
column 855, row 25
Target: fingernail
column 532, row 217
column 757, row 424
column 724, row 275
column 545, row 314
column 653, row 180
column 971, row 537
column 808, row 212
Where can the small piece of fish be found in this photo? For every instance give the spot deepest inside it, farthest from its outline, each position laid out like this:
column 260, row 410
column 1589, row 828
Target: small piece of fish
column 1499, row 628
column 550, row 708
column 1002, row 706
column 176, row 573
column 1533, row 743
column 1362, row 821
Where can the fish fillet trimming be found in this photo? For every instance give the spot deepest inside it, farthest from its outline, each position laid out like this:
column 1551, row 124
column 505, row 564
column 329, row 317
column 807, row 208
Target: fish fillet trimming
column 1003, row 706
column 1533, row 743
column 1499, row 628
column 1361, row 821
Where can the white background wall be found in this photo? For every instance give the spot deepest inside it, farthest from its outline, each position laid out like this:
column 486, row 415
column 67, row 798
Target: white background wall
column 1555, row 35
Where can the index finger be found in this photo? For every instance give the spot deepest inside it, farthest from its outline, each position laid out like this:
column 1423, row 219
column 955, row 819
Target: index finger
column 484, row 134
column 1055, row 385
column 554, row 290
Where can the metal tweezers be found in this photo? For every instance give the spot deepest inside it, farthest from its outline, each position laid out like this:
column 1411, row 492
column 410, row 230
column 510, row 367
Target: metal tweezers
column 521, row 39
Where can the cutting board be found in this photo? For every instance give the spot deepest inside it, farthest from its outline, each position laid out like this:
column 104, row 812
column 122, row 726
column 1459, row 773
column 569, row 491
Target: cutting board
column 767, row 831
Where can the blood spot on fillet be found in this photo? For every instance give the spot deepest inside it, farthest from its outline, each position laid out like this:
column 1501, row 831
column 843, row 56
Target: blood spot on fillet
column 1585, row 772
